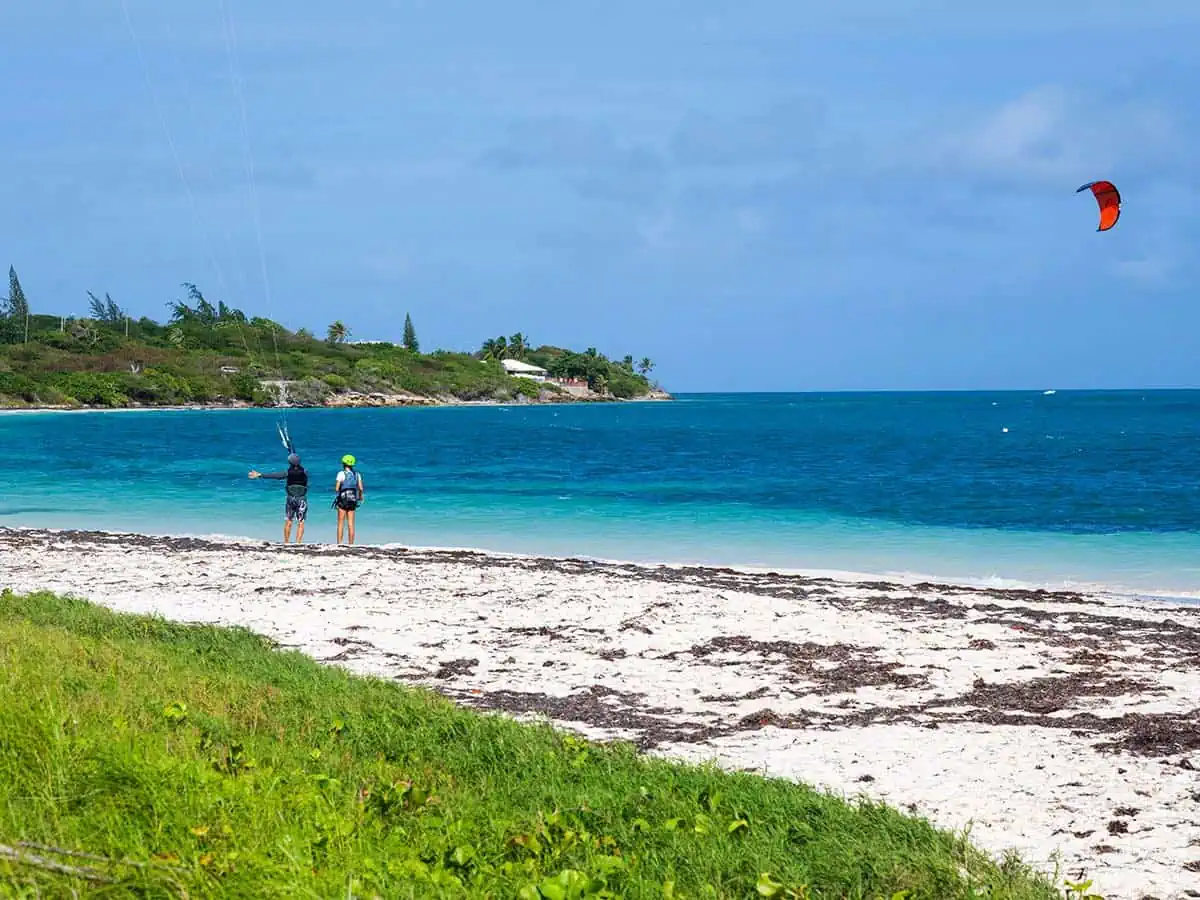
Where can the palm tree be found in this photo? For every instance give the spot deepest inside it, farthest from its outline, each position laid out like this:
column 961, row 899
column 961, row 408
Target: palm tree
column 203, row 310
column 180, row 311
column 206, row 312
column 518, row 346
column 338, row 332
column 646, row 366
column 495, row 349
column 228, row 317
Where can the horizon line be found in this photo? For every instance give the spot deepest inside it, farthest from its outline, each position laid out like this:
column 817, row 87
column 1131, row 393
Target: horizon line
column 1005, row 390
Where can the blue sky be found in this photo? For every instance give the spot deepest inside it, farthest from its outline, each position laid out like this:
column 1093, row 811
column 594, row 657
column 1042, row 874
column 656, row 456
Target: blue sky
column 760, row 195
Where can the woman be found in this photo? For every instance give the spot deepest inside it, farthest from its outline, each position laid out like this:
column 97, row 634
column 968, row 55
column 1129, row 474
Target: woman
column 348, row 494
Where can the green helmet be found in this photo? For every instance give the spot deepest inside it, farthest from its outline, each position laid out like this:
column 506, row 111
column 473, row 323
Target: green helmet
column 347, row 460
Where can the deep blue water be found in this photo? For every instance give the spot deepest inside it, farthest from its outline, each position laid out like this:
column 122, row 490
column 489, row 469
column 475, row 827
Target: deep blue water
column 1083, row 487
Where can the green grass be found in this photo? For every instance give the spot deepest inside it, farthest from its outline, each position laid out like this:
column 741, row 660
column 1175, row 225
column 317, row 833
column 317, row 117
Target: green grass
column 230, row 769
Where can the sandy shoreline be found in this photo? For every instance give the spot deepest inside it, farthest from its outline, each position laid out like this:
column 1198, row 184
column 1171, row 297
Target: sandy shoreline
column 1052, row 723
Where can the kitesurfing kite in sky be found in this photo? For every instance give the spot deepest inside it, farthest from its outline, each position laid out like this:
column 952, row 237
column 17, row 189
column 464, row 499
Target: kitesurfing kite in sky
column 1109, row 200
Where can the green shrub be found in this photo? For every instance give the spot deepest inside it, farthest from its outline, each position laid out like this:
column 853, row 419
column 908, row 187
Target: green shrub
column 624, row 384
column 207, row 389
column 92, row 388
column 526, row 387
column 245, row 386
column 18, row 386
column 162, row 388
column 52, row 396
column 308, row 392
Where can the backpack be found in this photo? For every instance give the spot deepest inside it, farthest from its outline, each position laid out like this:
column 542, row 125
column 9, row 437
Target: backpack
column 297, row 481
column 347, row 489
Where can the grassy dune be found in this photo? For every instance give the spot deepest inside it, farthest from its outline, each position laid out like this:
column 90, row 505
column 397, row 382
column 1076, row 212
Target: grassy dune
column 194, row 761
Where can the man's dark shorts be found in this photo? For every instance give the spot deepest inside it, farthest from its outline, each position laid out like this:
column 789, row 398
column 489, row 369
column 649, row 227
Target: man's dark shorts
column 296, row 508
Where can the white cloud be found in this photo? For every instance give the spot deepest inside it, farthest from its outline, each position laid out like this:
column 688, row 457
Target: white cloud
column 1053, row 134
column 1029, row 133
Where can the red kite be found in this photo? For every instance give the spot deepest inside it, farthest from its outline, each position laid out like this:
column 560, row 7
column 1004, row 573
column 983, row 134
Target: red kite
column 1109, row 200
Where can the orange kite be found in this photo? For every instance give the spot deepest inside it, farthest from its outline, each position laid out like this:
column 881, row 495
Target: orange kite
column 1109, row 200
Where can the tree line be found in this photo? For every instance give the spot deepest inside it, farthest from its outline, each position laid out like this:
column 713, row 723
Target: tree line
column 211, row 351
column 556, row 361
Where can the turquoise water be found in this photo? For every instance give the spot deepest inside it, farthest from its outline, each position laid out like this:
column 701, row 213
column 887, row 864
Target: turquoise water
column 1084, row 488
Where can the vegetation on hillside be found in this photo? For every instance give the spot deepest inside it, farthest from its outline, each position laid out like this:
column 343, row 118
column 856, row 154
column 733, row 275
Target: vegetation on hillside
column 212, row 353
column 144, row 759
column 622, row 379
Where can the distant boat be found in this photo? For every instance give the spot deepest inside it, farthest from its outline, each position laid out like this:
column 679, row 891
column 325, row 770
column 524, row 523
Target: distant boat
column 1048, row 393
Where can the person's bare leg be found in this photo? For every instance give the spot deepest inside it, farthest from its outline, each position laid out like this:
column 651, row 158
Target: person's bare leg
column 300, row 532
column 350, row 524
column 341, row 523
column 287, row 530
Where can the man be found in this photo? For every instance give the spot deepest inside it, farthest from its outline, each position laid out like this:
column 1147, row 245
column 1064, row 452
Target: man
column 296, row 505
column 348, row 494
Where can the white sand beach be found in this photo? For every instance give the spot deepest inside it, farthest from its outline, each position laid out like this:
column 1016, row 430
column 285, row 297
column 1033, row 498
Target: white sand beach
column 1062, row 726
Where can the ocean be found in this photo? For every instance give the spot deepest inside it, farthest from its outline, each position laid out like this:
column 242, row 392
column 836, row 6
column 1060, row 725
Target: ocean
column 1095, row 490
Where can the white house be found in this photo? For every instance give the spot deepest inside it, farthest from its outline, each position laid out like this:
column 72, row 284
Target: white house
column 518, row 369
